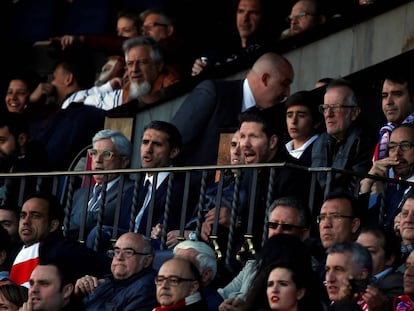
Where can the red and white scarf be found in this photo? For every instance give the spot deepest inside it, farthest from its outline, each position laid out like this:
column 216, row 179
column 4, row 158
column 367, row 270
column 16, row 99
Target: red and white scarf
column 26, row 260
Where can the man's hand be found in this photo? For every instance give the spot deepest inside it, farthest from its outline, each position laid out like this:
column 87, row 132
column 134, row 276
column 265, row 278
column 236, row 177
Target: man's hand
column 375, row 299
column 41, row 89
column 231, row 304
column 172, row 237
column 379, row 168
column 86, row 285
column 224, row 220
column 27, row 306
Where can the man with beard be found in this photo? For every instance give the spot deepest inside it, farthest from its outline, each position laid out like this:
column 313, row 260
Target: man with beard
column 147, row 77
column 18, row 154
column 400, row 160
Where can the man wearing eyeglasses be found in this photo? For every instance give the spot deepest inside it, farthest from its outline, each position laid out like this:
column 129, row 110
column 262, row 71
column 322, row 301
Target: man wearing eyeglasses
column 110, row 150
column 178, row 283
column 338, row 222
column 305, row 15
column 287, row 215
column 347, row 144
column 160, row 24
column 131, row 285
column 400, row 161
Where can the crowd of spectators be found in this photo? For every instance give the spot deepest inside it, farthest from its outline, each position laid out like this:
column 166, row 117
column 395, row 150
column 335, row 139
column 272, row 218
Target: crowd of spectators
column 247, row 238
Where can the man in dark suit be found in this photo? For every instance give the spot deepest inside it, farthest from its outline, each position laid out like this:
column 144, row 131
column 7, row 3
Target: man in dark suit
column 111, row 150
column 160, row 147
column 214, row 105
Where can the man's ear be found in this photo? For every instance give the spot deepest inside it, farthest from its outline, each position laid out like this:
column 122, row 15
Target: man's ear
column 194, row 287
column 174, row 153
column 54, row 225
column 69, row 78
column 356, row 223
column 273, row 142
column 22, row 139
column 170, row 30
column 355, row 113
column 125, row 162
column 67, row 291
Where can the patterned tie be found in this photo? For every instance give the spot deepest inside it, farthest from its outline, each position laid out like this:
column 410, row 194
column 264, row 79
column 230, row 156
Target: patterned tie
column 93, row 206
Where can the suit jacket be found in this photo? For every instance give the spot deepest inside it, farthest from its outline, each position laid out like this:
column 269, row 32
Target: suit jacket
column 213, row 106
column 175, row 206
column 110, row 207
column 392, row 284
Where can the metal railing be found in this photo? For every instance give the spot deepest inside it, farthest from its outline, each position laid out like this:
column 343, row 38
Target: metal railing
column 64, row 184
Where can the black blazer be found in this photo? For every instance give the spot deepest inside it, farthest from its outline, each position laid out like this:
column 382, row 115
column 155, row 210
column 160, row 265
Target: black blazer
column 213, row 106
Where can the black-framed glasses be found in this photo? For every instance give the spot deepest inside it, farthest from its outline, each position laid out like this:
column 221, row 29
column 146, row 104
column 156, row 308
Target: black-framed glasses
column 106, row 154
column 404, row 146
column 126, row 252
column 171, row 280
column 299, row 16
column 284, row 227
column 150, row 26
column 333, row 108
column 332, row 217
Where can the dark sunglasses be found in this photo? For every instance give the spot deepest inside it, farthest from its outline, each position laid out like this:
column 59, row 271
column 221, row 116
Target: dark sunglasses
column 285, row 227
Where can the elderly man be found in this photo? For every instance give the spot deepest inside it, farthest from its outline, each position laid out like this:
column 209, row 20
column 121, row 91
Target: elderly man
column 147, row 76
column 178, row 283
column 204, row 258
column 131, row 285
column 111, row 150
column 345, row 144
column 407, row 227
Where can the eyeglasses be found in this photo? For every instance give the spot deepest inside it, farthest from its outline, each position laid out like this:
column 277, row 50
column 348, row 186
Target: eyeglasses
column 172, row 280
column 333, row 108
column 126, row 252
column 149, row 26
column 404, row 146
column 298, row 16
column 106, row 154
column 332, row 217
column 285, row 227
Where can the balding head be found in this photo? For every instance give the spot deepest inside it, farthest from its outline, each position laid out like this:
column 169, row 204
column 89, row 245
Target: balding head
column 270, row 79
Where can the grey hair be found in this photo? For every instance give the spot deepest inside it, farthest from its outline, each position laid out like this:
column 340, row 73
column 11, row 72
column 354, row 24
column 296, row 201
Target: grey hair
column 296, row 204
column 206, row 256
column 361, row 257
column 156, row 52
column 122, row 144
